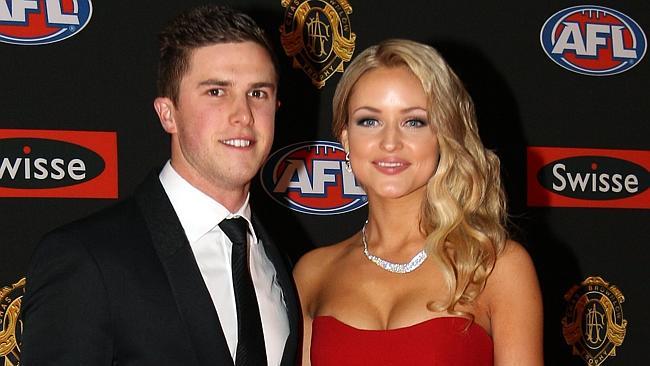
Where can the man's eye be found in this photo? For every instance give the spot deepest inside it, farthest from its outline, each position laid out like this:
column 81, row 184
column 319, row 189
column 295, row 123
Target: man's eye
column 215, row 92
column 259, row 94
column 368, row 122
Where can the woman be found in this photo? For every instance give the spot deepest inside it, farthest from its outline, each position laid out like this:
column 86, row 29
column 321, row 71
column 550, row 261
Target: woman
column 432, row 278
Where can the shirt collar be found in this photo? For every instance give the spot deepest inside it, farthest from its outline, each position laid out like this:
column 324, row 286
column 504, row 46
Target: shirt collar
column 198, row 212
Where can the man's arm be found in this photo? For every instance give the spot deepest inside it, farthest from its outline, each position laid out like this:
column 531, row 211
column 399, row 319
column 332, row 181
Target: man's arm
column 65, row 311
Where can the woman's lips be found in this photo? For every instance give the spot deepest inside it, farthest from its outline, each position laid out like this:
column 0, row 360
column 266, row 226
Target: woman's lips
column 391, row 166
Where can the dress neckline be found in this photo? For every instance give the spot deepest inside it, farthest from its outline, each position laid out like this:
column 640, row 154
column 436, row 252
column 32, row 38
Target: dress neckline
column 473, row 325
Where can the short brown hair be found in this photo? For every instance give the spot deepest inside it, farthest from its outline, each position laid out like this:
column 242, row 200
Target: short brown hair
column 197, row 27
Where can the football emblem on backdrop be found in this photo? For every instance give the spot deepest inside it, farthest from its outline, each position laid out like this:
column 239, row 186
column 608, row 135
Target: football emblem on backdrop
column 593, row 40
column 318, row 36
column 37, row 22
column 310, row 177
column 11, row 327
column 593, row 324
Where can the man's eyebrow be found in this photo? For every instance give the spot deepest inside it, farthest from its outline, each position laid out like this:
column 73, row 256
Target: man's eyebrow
column 263, row 84
column 220, row 82
column 215, row 82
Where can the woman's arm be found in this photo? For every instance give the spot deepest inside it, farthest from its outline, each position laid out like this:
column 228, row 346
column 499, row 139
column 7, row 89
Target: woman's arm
column 515, row 306
column 307, row 278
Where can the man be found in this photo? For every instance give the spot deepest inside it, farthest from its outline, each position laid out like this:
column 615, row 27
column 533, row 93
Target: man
column 149, row 281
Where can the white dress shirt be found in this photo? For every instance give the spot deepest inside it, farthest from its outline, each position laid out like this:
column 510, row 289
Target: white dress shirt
column 200, row 216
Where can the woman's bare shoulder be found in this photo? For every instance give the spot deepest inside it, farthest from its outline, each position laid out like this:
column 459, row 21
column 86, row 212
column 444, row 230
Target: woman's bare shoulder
column 316, row 262
column 313, row 270
column 513, row 259
column 513, row 283
column 514, row 298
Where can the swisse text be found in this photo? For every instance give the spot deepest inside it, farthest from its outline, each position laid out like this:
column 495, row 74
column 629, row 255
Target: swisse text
column 41, row 168
column 43, row 163
column 594, row 177
column 599, row 182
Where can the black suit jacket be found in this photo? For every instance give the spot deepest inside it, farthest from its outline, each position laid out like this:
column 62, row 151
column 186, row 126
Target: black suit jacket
column 122, row 287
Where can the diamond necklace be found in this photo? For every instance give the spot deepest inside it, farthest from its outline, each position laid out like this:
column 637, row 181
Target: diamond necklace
column 390, row 266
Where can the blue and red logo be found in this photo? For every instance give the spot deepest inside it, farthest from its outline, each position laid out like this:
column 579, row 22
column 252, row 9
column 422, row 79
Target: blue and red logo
column 36, row 22
column 593, row 40
column 310, row 177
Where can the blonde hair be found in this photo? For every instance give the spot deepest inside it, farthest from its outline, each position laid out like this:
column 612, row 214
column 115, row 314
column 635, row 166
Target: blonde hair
column 464, row 214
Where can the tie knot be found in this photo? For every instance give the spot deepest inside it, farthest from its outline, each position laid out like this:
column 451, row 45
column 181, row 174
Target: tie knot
column 236, row 229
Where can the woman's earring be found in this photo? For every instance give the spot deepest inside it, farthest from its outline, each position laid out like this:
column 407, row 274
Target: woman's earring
column 348, row 167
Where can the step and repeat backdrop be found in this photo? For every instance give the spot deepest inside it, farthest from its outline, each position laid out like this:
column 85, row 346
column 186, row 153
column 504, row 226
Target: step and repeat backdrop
column 561, row 89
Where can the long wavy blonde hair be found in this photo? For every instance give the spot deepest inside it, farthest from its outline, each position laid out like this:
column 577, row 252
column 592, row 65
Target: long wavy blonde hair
column 464, row 214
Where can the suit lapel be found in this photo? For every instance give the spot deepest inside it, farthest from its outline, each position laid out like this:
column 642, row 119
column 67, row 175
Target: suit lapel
column 288, row 291
column 188, row 288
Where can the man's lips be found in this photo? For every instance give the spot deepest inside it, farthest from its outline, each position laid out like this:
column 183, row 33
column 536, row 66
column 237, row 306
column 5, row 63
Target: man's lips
column 240, row 142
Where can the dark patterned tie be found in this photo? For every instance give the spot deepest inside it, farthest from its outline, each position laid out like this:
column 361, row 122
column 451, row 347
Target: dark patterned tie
column 250, row 345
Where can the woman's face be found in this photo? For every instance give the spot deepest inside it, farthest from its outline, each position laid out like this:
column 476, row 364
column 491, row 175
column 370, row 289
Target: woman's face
column 393, row 146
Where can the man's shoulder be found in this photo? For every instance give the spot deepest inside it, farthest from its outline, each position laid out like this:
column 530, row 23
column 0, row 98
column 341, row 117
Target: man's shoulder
column 112, row 220
column 108, row 217
column 103, row 226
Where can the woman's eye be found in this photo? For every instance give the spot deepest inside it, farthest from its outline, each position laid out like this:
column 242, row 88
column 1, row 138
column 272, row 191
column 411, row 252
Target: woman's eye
column 415, row 123
column 368, row 122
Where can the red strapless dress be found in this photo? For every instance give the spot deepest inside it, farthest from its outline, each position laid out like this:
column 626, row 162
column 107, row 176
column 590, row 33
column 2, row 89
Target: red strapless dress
column 440, row 341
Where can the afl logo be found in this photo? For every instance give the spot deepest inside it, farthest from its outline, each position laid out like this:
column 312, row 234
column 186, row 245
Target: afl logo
column 593, row 40
column 310, row 177
column 37, row 22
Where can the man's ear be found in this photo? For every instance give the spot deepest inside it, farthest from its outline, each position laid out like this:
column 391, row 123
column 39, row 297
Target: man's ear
column 165, row 110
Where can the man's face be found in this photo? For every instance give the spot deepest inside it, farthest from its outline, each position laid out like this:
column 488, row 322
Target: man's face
column 222, row 126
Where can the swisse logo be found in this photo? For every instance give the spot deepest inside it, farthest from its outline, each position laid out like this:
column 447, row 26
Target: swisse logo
column 593, row 40
column 40, row 163
column 37, row 163
column 310, row 177
column 594, row 177
column 588, row 177
column 37, row 22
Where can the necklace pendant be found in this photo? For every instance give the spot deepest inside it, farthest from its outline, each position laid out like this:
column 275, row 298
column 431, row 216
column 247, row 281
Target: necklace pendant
column 401, row 268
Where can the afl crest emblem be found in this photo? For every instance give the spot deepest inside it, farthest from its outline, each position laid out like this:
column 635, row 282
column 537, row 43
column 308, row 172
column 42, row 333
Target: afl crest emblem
column 593, row 324
column 318, row 36
column 10, row 324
